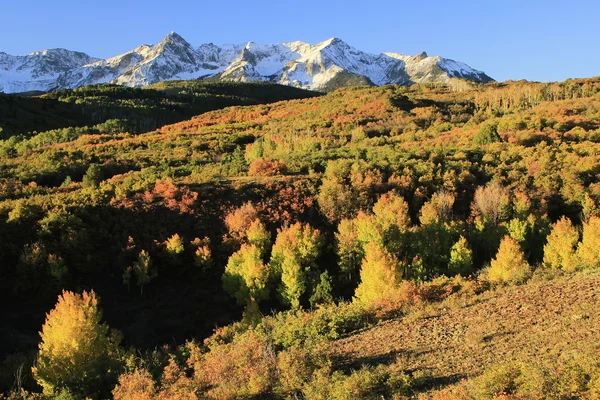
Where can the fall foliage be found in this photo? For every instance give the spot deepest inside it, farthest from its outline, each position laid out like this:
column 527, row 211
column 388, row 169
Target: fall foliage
column 559, row 252
column 510, row 265
column 75, row 351
column 294, row 253
column 379, row 274
column 286, row 212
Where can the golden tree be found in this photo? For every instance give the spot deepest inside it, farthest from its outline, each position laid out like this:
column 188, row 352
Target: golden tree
column 379, row 274
column 391, row 211
column 510, row 265
column 174, row 245
column 559, row 251
column 588, row 253
column 349, row 249
column 75, row 351
column 368, row 230
column 258, row 235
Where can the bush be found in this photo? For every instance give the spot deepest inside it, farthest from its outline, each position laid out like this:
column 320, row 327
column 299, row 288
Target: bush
column 528, row 380
column 136, row 385
column 487, row 134
column 267, row 167
column 245, row 368
column 370, row 383
column 297, row 365
column 325, row 323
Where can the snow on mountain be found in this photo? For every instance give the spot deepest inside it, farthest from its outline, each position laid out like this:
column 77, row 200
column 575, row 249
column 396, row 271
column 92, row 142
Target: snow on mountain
column 39, row 70
column 423, row 68
column 323, row 61
column 293, row 63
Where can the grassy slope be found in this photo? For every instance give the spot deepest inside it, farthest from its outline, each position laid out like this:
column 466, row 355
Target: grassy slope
column 540, row 321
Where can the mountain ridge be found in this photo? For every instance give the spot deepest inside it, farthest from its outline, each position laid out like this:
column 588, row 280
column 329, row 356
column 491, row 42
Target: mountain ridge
column 297, row 63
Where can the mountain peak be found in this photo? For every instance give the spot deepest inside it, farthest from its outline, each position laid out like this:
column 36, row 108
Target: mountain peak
column 174, row 37
column 421, row 56
column 334, row 41
column 327, row 65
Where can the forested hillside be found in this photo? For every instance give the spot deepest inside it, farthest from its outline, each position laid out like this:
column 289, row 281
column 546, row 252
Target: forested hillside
column 131, row 109
column 332, row 213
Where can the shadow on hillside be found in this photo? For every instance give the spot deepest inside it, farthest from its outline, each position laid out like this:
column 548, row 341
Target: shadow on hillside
column 348, row 364
column 426, row 383
column 426, row 379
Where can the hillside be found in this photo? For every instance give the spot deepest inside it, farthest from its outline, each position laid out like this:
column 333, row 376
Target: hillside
column 541, row 323
column 139, row 110
column 337, row 222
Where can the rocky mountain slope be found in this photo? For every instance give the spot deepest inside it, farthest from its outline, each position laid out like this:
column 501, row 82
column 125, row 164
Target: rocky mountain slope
column 324, row 66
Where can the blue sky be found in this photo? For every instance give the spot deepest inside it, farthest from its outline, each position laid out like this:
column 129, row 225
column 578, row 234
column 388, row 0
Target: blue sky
column 527, row 39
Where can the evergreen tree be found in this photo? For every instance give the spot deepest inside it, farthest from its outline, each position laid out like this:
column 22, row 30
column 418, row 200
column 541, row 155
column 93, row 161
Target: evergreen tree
column 323, row 291
column 487, row 134
column 92, row 177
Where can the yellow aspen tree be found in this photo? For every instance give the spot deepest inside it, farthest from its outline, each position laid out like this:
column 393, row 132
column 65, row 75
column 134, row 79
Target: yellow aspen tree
column 588, row 252
column 174, row 245
column 349, row 249
column 559, row 251
column 75, row 350
column 510, row 265
column 258, row 235
column 379, row 274
column 368, row 229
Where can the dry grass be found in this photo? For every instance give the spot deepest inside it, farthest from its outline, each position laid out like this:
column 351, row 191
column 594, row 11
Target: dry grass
column 543, row 320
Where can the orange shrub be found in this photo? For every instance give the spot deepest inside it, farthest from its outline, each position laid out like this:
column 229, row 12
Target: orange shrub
column 245, row 368
column 267, row 167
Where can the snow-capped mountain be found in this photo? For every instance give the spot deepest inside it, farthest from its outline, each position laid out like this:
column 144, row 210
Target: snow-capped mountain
column 40, row 70
column 323, row 66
